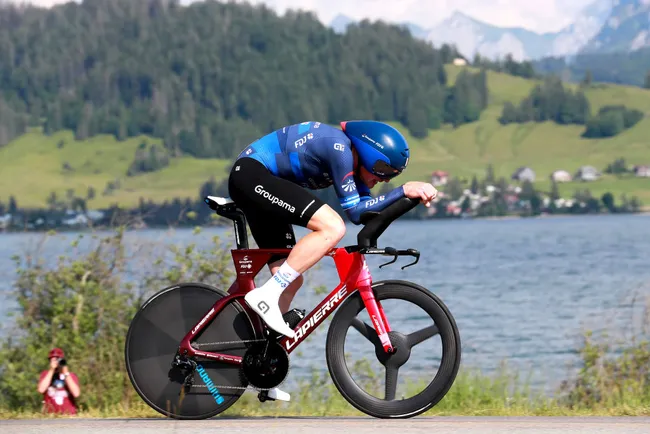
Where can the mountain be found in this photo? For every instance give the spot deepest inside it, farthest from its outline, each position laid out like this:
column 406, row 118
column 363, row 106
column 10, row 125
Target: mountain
column 626, row 29
column 618, row 53
column 473, row 36
column 572, row 38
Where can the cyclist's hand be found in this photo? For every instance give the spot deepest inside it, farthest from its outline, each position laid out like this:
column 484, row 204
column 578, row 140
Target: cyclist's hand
column 421, row 190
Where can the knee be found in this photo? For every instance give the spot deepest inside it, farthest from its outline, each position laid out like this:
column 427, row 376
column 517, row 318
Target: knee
column 330, row 224
column 337, row 231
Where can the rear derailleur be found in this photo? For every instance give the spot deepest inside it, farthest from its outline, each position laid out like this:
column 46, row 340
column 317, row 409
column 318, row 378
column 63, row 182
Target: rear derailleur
column 183, row 371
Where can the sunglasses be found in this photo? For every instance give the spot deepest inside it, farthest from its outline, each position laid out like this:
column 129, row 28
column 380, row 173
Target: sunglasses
column 384, row 170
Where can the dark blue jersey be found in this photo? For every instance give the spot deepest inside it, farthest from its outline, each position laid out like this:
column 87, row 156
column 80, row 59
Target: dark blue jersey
column 315, row 156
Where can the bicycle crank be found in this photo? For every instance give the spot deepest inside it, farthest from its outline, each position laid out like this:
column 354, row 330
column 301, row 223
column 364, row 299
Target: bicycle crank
column 265, row 365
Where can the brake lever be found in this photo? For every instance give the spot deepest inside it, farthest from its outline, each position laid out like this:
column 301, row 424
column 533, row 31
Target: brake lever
column 390, row 251
column 415, row 254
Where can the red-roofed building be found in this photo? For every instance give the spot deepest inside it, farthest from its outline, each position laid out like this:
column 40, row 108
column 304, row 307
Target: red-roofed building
column 439, row 177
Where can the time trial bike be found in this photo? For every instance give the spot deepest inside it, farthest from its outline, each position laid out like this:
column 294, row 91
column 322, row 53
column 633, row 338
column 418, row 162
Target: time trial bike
column 192, row 349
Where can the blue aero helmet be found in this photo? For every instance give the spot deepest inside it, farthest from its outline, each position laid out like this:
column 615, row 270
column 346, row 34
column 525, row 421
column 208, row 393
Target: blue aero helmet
column 382, row 149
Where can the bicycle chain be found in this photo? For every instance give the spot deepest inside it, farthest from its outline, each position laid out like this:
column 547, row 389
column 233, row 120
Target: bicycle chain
column 197, row 346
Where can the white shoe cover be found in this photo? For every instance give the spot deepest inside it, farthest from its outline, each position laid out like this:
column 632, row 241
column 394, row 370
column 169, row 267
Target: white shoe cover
column 265, row 303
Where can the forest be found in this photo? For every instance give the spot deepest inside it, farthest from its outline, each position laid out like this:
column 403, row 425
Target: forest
column 211, row 77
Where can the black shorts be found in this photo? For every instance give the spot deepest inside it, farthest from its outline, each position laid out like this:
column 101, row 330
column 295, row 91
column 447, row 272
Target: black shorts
column 271, row 204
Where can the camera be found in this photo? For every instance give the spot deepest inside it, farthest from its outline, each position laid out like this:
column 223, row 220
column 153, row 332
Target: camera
column 62, row 362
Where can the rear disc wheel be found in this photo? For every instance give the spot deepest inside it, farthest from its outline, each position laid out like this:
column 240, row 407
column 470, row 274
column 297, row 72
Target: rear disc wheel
column 152, row 343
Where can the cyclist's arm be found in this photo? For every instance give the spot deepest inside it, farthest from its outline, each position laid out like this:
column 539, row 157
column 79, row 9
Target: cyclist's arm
column 368, row 203
column 355, row 198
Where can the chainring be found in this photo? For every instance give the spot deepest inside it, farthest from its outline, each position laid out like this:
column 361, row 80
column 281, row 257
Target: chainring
column 265, row 364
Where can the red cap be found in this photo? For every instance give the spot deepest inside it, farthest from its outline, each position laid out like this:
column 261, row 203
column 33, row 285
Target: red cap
column 56, row 352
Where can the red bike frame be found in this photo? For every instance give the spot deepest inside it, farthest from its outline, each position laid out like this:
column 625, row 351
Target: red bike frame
column 353, row 274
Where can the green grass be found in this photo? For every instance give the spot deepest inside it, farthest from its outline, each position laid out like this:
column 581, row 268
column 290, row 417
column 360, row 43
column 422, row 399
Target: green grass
column 472, row 394
column 31, row 166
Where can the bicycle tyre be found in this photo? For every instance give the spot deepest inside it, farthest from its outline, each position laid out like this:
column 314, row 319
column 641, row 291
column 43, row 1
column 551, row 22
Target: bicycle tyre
column 437, row 388
column 153, row 339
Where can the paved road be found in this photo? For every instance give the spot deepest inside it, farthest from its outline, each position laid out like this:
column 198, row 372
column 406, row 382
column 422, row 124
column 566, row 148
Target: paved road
column 360, row 425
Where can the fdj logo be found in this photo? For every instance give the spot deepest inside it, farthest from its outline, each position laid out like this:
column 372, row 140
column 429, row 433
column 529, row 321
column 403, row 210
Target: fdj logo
column 374, row 201
column 301, row 141
column 211, row 387
column 282, row 282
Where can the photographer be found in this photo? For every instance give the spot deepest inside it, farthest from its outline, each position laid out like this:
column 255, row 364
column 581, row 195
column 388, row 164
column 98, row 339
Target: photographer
column 59, row 386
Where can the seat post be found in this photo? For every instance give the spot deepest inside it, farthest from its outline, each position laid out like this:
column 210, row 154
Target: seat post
column 226, row 207
column 233, row 213
column 239, row 222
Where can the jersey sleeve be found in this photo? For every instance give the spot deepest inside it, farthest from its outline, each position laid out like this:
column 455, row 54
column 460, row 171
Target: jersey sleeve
column 354, row 196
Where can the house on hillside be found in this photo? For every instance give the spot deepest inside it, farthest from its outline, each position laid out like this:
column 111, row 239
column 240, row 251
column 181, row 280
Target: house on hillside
column 524, row 173
column 561, row 176
column 642, row 171
column 587, row 173
column 5, row 220
column 439, row 177
column 459, row 61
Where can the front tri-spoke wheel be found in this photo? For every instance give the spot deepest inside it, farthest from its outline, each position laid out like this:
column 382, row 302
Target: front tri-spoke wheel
column 427, row 344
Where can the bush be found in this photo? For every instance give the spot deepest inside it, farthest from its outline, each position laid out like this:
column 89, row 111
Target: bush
column 611, row 120
column 148, row 159
column 612, row 374
column 85, row 306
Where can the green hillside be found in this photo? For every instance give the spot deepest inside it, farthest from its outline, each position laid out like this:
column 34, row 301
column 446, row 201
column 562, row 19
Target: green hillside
column 32, row 166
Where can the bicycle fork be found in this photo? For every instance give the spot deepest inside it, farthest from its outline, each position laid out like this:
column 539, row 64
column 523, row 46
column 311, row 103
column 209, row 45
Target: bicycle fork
column 377, row 316
column 373, row 306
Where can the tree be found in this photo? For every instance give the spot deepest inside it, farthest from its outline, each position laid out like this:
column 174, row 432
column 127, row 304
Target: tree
column 474, row 186
column 555, row 192
column 218, row 95
column 13, row 205
column 466, row 205
column 454, row 189
column 52, row 200
column 608, row 201
column 489, row 174
column 508, row 114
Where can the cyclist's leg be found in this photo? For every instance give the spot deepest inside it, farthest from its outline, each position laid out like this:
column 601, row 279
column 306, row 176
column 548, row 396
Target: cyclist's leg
column 267, row 200
column 328, row 229
column 269, row 234
column 290, row 292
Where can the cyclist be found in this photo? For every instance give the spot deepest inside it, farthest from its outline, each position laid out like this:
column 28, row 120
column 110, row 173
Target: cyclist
column 267, row 180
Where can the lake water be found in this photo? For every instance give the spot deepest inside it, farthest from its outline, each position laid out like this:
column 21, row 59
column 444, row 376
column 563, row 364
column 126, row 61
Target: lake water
column 521, row 290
